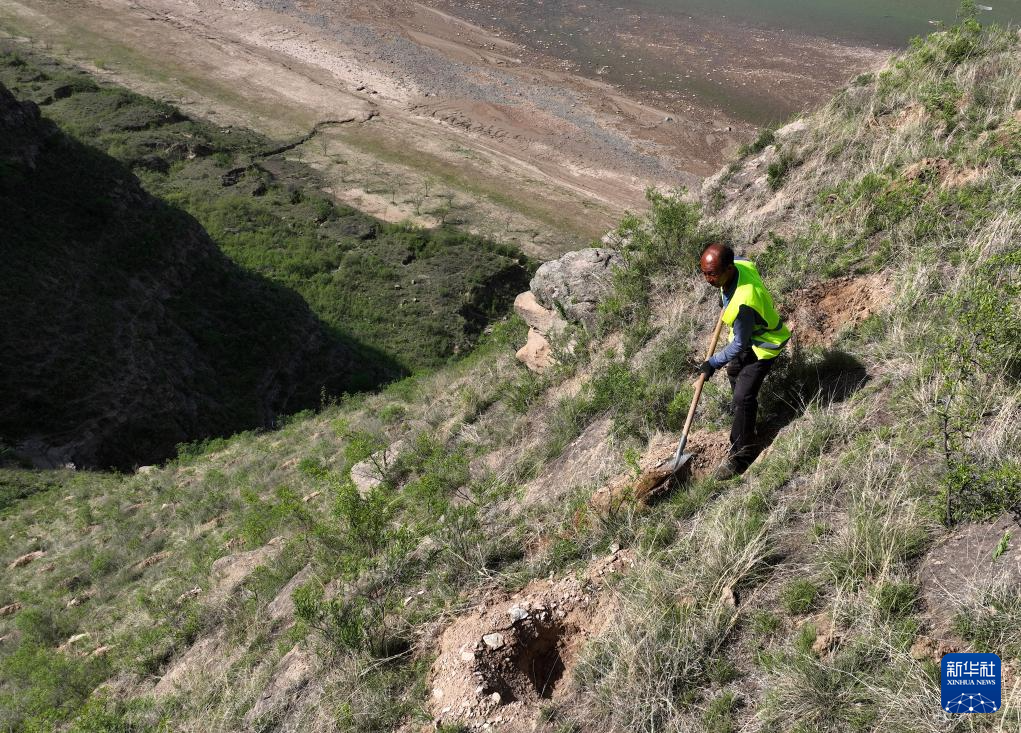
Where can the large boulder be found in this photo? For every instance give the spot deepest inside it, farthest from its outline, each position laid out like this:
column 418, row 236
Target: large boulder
column 537, row 353
column 574, row 284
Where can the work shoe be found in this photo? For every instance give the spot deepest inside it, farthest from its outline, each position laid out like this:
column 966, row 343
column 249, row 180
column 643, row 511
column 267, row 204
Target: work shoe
column 725, row 471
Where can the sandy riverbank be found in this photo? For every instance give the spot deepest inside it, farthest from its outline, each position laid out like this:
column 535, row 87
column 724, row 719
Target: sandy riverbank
column 449, row 119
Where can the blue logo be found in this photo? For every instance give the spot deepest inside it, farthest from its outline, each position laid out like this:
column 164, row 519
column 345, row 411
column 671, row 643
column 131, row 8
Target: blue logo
column 970, row 683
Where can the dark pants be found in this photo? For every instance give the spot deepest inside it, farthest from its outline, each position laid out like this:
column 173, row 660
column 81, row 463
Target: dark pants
column 746, row 373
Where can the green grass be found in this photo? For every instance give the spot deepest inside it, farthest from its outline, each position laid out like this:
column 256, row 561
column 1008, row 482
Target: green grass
column 20, row 484
column 799, row 596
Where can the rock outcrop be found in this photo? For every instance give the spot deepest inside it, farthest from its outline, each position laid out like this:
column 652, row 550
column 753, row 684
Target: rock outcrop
column 230, row 571
column 564, row 291
column 368, row 474
column 536, row 354
column 574, row 284
column 539, row 318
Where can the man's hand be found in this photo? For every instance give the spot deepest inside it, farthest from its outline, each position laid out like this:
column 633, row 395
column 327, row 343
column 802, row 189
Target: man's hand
column 707, row 369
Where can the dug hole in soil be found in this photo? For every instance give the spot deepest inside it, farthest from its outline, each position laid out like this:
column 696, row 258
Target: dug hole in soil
column 499, row 662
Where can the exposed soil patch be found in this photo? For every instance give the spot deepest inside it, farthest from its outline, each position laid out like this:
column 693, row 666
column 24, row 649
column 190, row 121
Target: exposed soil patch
column 927, row 170
column 956, row 575
column 910, row 115
column 941, row 172
column 823, row 310
column 498, row 663
column 707, row 448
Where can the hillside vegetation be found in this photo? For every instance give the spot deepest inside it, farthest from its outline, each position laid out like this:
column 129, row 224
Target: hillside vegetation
column 135, row 333
column 418, row 296
column 264, row 586
column 126, row 331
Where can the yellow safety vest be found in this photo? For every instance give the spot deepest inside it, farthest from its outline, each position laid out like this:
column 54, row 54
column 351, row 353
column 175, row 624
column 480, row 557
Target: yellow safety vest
column 770, row 334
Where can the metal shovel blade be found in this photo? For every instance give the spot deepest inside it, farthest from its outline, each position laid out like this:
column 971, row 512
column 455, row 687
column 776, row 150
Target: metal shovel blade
column 680, row 458
column 675, row 468
column 655, row 480
column 674, row 464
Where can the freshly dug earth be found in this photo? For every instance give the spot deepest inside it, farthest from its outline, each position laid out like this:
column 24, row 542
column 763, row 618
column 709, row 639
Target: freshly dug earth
column 501, row 660
column 707, row 448
column 821, row 311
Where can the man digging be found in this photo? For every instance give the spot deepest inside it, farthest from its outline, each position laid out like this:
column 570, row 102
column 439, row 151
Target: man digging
column 757, row 334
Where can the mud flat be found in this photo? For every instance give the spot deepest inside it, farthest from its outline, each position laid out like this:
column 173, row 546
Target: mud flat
column 445, row 119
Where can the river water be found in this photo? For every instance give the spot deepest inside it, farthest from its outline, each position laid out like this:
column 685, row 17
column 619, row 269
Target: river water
column 755, row 61
column 882, row 23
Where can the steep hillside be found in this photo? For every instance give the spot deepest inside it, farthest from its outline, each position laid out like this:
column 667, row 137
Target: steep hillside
column 136, row 334
column 467, row 550
column 126, row 331
column 419, row 296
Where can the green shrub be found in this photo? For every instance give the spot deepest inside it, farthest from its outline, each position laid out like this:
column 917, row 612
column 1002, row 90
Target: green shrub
column 261, row 520
column 361, row 445
column 668, row 238
column 779, row 169
column 338, row 620
column 977, row 494
column 392, row 413
column 428, row 494
column 941, row 100
column 799, row 596
column 766, row 137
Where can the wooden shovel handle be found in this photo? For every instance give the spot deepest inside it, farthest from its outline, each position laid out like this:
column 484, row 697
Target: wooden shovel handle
column 700, row 382
column 716, row 337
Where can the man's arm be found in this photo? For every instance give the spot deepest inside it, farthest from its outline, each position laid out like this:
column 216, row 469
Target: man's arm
column 744, row 326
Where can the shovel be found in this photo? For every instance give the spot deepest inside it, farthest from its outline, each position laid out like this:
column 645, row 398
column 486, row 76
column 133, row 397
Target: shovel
column 680, row 458
column 653, row 480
